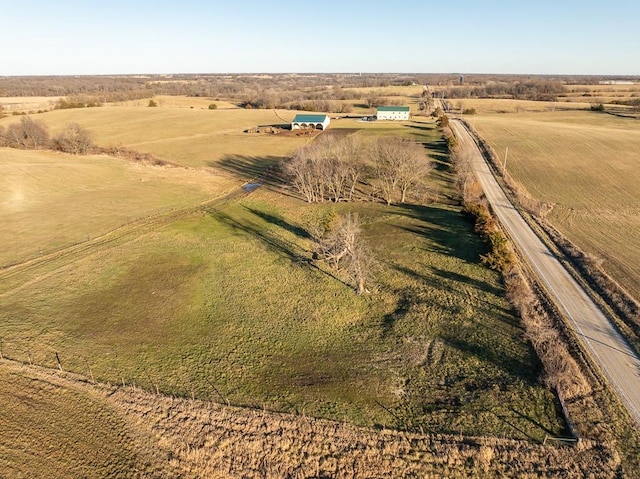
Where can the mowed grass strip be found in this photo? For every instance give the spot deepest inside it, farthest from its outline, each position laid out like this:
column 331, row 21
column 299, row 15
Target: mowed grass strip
column 51, row 200
column 586, row 164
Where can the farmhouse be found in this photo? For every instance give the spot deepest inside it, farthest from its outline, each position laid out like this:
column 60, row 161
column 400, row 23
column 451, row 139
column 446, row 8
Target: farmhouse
column 392, row 113
column 318, row 122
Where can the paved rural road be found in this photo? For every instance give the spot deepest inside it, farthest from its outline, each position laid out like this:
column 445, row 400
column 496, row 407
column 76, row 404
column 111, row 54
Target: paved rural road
column 607, row 347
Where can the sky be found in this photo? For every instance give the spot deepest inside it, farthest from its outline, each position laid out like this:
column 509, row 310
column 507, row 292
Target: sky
column 86, row 37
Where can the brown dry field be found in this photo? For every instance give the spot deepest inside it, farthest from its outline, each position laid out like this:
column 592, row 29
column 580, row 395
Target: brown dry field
column 27, row 103
column 500, row 105
column 586, row 164
column 55, row 200
column 172, row 101
column 602, row 93
column 190, row 137
column 133, row 433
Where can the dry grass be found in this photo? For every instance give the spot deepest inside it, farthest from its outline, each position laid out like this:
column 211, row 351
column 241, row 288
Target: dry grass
column 51, row 200
column 167, row 101
column 53, row 427
column 228, row 301
column 27, row 103
column 212, row 306
column 499, row 105
column 388, row 91
column 584, row 163
column 190, row 137
column 601, row 93
column 197, row 439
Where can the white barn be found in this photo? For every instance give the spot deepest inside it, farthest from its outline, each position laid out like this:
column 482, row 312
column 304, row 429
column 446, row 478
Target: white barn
column 392, row 113
column 317, row 122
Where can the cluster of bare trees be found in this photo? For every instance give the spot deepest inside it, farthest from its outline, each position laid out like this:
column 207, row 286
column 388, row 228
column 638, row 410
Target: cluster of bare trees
column 333, row 169
column 32, row 134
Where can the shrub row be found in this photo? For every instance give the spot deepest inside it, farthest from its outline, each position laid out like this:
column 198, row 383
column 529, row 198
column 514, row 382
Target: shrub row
column 625, row 306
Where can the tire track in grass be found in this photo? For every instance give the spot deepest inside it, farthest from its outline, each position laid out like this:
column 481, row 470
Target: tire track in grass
column 11, row 276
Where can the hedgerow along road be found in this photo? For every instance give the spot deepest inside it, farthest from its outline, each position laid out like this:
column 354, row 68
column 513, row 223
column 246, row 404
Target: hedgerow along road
column 607, row 347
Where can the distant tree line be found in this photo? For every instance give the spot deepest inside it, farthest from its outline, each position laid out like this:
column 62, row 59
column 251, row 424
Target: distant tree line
column 335, row 169
column 526, row 90
column 190, row 85
column 309, row 86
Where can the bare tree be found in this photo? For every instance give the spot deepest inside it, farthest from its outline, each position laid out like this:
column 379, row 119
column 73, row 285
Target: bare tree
column 328, row 169
column 400, row 164
column 413, row 167
column 306, row 173
column 73, row 139
column 344, row 249
column 28, row 134
column 384, row 158
column 348, row 163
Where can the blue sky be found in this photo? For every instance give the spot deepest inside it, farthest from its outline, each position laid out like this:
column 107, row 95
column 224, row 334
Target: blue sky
column 59, row 37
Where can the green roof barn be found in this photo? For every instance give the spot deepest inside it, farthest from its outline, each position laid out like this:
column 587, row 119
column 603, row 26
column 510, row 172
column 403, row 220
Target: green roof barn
column 317, row 122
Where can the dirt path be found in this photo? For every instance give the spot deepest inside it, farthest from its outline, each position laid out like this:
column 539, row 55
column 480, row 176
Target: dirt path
column 109, row 239
column 606, row 346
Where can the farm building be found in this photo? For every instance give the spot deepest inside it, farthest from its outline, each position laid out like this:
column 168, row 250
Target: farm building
column 392, row 113
column 318, row 122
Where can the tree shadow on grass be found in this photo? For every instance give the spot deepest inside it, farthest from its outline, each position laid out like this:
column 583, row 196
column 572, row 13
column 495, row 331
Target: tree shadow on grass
column 262, row 170
column 447, row 231
column 474, row 283
column 273, row 241
column 498, row 356
column 276, row 243
column 505, row 315
column 420, row 126
column 280, row 222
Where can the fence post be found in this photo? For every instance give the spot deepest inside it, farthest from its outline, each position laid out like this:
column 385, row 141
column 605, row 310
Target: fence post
column 58, row 360
column 90, row 371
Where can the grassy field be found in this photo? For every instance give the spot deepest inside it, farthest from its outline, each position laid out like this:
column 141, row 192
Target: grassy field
column 601, row 93
column 27, row 103
column 51, row 200
column 499, row 105
column 586, row 164
column 167, row 101
column 51, row 428
column 225, row 306
column 190, row 137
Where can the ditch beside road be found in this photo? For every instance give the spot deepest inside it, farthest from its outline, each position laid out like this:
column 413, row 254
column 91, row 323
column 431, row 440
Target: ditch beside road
column 607, row 347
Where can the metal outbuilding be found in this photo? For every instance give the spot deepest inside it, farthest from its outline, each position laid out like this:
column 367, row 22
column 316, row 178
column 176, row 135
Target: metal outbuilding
column 317, row 122
column 393, row 113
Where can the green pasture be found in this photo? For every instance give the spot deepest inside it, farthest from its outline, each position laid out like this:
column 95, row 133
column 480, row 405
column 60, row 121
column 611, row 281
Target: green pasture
column 227, row 305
